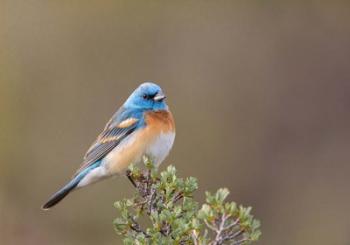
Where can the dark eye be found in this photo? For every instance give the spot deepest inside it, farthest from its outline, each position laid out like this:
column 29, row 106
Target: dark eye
column 148, row 96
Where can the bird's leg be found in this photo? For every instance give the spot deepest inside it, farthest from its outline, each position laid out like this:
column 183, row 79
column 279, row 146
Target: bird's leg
column 129, row 175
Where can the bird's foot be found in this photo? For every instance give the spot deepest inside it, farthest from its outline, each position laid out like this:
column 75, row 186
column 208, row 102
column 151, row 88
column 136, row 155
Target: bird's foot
column 129, row 175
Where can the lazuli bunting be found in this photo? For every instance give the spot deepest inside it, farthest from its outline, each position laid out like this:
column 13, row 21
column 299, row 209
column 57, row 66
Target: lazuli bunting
column 142, row 126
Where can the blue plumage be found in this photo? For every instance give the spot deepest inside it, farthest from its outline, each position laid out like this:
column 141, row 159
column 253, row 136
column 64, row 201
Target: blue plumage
column 148, row 96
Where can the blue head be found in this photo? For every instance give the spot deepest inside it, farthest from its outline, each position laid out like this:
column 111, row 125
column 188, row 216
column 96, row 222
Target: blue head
column 148, row 96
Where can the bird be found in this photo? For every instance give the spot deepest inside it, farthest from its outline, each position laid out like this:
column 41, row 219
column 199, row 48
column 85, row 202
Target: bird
column 142, row 126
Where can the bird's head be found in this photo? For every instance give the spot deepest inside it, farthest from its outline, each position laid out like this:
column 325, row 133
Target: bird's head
column 148, row 96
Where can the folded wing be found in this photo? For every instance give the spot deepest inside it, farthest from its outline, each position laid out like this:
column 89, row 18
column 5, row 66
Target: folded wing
column 114, row 133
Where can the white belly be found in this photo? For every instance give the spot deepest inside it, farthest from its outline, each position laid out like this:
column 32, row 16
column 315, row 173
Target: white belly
column 160, row 147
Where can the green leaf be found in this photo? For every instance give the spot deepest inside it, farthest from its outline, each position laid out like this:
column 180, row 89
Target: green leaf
column 221, row 195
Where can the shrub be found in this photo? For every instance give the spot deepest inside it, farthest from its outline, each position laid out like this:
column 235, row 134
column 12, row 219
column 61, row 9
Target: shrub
column 163, row 211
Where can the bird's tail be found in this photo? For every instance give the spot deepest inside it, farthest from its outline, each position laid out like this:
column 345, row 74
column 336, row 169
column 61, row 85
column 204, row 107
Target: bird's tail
column 64, row 191
column 59, row 195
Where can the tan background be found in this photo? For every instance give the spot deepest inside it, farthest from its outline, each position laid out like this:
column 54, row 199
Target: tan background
column 259, row 90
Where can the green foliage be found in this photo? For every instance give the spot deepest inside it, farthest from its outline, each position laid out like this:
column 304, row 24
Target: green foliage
column 165, row 207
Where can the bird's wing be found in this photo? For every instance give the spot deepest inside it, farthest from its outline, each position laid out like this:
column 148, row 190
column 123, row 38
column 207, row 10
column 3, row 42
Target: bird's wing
column 118, row 128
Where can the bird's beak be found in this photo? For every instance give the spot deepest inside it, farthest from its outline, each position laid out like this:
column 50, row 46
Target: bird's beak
column 160, row 96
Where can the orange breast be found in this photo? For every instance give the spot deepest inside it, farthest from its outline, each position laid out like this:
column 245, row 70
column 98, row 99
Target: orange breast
column 161, row 121
column 135, row 147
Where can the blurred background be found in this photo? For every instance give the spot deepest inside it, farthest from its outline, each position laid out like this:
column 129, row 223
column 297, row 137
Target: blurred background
column 259, row 89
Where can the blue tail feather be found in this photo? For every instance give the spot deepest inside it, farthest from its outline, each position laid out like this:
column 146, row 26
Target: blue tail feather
column 64, row 191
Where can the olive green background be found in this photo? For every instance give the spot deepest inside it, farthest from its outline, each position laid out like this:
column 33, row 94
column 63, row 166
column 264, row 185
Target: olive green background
column 259, row 89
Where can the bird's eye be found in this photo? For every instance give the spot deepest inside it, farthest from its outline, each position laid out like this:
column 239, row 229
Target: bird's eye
column 145, row 96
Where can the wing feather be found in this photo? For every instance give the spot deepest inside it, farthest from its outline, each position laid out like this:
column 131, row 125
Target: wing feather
column 110, row 137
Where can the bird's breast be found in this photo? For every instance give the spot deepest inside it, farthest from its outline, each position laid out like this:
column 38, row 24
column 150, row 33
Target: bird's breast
column 155, row 140
column 161, row 130
column 160, row 147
